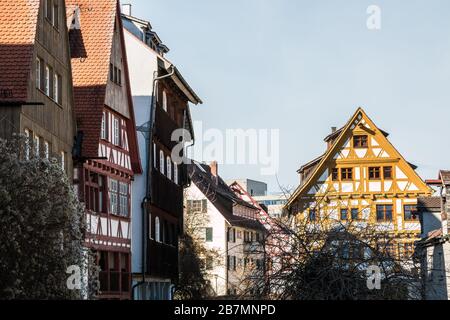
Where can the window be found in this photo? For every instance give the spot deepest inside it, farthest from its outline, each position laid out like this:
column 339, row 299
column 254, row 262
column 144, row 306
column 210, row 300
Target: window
column 384, row 212
column 36, row 146
column 344, row 214
column 360, row 142
column 347, row 173
column 116, row 132
column 164, row 100
column 38, row 73
column 119, row 77
column 113, row 196
column 103, row 130
column 312, row 215
column 231, row 235
column 56, row 15
column 197, row 206
column 111, row 72
column 175, row 173
column 123, row 199
column 169, row 168
column 27, row 144
column 47, row 84
column 208, row 234
column 231, row 263
column 209, row 263
column 387, row 173
column 335, row 174
column 57, row 87
column 355, row 213
column 157, row 230
column 63, row 160
column 411, row 213
column 374, row 173
column 161, row 161
column 154, row 155
column 46, row 150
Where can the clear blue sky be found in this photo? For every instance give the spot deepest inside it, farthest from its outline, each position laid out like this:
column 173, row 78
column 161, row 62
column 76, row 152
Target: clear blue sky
column 305, row 66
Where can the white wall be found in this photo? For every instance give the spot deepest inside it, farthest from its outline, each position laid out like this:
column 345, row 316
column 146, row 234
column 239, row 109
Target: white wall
column 142, row 63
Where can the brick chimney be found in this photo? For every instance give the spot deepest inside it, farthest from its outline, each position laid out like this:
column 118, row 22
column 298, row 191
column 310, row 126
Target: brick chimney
column 214, row 169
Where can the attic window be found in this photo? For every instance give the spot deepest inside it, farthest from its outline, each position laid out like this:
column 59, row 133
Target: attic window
column 360, row 141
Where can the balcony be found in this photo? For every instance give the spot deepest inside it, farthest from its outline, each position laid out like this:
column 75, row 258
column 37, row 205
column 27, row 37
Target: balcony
column 114, row 284
column 164, row 127
column 162, row 260
column 167, row 195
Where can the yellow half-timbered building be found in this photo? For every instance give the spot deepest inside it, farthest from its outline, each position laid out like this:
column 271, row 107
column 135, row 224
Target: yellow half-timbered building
column 362, row 177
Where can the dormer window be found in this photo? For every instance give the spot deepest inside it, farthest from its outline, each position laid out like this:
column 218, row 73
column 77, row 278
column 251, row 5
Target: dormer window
column 360, row 141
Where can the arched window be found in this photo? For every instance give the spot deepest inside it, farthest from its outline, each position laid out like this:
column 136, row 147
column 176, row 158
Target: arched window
column 161, row 161
column 157, row 230
column 175, row 173
column 164, row 101
column 169, row 168
column 154, row 155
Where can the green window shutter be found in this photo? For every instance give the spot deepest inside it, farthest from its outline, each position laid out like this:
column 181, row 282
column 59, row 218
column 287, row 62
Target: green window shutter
column 209, row 234
column 204, row 206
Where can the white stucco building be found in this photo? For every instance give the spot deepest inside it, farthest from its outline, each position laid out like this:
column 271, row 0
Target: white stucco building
column 228, row 227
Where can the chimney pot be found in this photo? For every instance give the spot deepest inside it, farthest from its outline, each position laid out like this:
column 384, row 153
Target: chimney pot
column 214, row 168
column 333, row 129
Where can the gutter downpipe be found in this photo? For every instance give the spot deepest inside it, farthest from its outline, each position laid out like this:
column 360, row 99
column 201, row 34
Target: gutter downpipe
column 148, row 189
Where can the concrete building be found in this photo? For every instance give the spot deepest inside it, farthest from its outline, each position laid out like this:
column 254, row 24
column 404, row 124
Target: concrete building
column 229, row 227
column 434, row 248
column 253, row 187
column 161, row 98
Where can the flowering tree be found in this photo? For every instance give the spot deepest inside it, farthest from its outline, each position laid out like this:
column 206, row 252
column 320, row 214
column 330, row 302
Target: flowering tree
column 41, row 227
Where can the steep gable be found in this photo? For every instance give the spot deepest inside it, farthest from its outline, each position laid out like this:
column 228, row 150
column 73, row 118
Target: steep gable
column 95, row 28
column 378, row 152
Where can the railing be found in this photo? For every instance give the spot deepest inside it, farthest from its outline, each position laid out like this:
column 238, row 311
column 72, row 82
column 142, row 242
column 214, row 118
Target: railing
column 167, row 195
column 114, row 282
column 162, row 260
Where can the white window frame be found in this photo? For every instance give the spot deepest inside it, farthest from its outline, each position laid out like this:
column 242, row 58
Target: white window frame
column 46, row 150
column 116, row 131
column 157, row 230
column 165, row 100
column 63, row 160
column 47, row 80
column 56, row 87
column 113, row 196
column 169, row 168
column 36, row 141
column 27, row 144
column 154, row 155
column 103, row 129
column 161, row 161
column 175, row 173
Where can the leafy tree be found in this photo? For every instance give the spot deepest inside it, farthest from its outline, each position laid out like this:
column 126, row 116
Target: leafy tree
column 41, row 226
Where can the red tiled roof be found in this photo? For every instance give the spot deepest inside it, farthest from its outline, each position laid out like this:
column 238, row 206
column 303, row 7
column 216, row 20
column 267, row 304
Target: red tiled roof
column 91, row 51
column 17, row 37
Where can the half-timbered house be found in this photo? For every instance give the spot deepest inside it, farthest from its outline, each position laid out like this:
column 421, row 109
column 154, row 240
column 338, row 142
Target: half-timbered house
column 107, row 155
column 362, row 179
